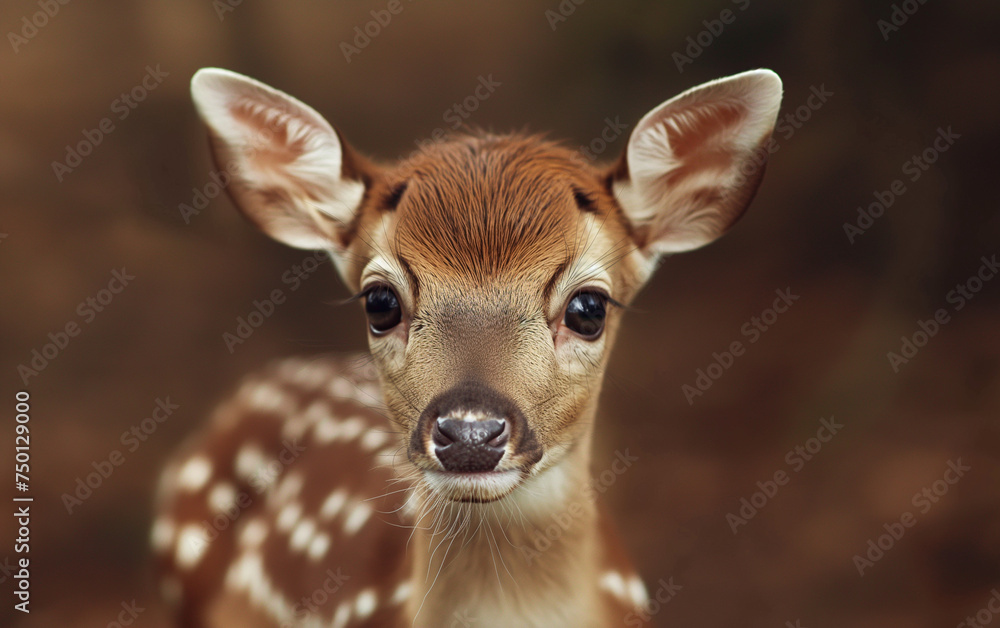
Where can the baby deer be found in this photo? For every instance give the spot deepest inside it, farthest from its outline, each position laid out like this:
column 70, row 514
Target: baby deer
column 410, row 488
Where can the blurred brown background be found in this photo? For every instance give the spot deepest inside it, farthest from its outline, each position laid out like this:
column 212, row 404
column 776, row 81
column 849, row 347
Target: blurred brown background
column 827, row 356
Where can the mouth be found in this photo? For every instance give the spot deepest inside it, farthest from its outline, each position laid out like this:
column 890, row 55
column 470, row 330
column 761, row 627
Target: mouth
column 477, row 487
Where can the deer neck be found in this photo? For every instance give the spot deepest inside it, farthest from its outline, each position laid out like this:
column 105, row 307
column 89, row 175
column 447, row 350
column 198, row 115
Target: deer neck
column 534, row 553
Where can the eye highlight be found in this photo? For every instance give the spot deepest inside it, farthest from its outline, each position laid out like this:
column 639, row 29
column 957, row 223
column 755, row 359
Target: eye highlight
column 382, row 308
column 585, row 314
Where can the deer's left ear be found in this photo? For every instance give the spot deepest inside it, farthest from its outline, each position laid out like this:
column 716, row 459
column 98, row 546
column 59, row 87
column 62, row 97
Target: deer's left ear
column 291, row 173
column 693, row 164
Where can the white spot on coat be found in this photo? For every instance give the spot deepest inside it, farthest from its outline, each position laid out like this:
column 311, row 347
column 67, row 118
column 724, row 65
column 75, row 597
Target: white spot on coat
column 356, row 520
column 401, row 593
column 222, row 497
column 342, row 388
column 269, row 398
column 637, row 591
column 288, row 516
column 302, row 534
column 194, row 474
column 327, row 430
column 192, row 542
column 254, row 533
column 161, row 536
column 341, row 617
column 289, row 487
column 333, row 504
column 352, row 428
column 250, row 461
column 366, row 603
column 319, row 546
column 373, row 439
column 613, row 583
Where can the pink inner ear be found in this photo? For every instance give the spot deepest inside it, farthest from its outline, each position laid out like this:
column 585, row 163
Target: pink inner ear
column 695, row 128
column 278, row 141
column 714, row 159
column 271, row 146
column 700, row 139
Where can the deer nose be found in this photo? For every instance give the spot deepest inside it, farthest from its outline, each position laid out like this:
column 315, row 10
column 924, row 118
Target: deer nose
column 469, row 445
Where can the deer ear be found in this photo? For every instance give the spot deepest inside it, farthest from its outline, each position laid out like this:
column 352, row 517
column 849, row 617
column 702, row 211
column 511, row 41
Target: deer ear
column 693, row 164
column 286, row 162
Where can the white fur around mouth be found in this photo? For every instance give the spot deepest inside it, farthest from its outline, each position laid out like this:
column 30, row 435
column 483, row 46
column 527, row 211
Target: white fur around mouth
column 488, row 486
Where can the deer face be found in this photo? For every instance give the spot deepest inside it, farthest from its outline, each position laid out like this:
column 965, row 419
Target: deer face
column 490, row 270
column 493, row 269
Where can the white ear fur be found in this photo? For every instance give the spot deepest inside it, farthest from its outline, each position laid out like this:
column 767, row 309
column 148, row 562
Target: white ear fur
column 286, row 161
column 695, row 161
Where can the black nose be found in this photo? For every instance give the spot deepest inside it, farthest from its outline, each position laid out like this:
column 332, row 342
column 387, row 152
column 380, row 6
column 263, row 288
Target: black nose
column 469, row 446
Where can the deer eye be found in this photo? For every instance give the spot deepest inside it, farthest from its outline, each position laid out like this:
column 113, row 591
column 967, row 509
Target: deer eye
column 382, row 308
column 585, row 314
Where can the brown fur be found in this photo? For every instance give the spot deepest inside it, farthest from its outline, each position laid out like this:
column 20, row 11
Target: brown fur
column 485, row 206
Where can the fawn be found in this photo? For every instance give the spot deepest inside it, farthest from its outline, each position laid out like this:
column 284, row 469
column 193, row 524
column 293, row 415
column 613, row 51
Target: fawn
column 409, row 488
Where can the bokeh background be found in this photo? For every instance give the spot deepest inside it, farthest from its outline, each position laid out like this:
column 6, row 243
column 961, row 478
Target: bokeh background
column 827, row 356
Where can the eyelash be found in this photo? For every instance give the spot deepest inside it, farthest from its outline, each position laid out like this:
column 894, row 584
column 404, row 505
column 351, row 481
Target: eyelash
column 367, row 290
column 596, row 290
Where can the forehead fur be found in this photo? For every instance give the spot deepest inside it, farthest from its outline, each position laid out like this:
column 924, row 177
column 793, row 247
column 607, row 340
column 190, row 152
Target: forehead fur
column 487, row 206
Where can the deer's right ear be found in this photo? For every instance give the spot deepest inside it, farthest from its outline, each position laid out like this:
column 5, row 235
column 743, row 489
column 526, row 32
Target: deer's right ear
column 287, row 163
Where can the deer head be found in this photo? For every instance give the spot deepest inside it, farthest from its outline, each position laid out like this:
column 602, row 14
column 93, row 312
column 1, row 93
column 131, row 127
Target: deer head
column 493, row 269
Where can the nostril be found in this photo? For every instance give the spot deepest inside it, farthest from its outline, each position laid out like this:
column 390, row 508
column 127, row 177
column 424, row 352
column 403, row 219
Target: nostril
column 440, row 435
column 499, row 434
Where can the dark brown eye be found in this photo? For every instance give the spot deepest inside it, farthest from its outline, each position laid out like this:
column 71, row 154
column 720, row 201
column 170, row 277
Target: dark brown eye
column 382, row 308
column 585, row 314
